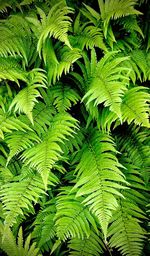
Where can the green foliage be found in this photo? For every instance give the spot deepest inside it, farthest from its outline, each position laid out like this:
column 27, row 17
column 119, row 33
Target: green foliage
column 74, row 127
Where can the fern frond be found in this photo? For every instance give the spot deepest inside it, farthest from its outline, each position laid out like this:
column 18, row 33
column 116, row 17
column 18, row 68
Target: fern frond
column 55, row 24
column 16, row 38
column 25, row 100
column 135, row 106
column 17, row 196
column 98, row 176
column 125, row 231
column 19, row 141
column 73, row 219
column 64, row 96
column 9, row 123
column 91, row 246
column 44, row 225
column 108, row 84
column 11, row 70
column 86, row 35
column 12, row 247
column 43, row 155
column 135, row 144
column 114, row 9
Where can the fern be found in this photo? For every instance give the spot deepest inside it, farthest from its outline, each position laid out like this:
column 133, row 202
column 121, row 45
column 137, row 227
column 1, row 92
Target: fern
column 16, row 248
column 135, row 106
column 108, row 84
column 74, row 127
column 98, row 177
column 93, row 246
column 125, row 230
column 20, row 192
column 72, row 218
column 43, row 155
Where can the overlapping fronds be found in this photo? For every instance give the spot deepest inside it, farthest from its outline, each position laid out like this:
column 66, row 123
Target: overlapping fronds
column 16, row 38
column 108, row 84
column 125, row 231
column 44, row 224
column 12, row 247
column 114, row 9
column 135, row 106
column 25, row 100
column 64, row 96
column 22, row 192
column 43, row 155
column 8, row 123
column 92, row 246
column 55, row 24
column 73, row 219
column 99, row 176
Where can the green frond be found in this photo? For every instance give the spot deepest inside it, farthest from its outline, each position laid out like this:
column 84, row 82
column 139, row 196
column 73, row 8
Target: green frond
column 16, row 38
column 11, row 70
column 20, row 247
column 135, row 107
column 114, row 9
column 125, row 230
column 19, row 141
column 44, row 225
column 99, row 176
column 64, row 96
column 9, row 123
column 43, row 155
column 55, row 24
column 58, row 60
column 19, row 195
column 91, row 246
column 86, row 35
column 73, row 219
column 25, row 100
column 109, row 83
column 135, row 144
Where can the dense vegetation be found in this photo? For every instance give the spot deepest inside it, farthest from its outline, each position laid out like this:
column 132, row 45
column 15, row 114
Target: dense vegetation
column 74, row 127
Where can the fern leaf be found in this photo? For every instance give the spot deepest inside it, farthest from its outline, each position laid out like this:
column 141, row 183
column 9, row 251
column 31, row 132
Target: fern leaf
column 19, row 141
column 91, row 246
column 11, row 70
column 55, row 24
column 16, row 248
column 43, row 155
column 17, row 196
column 98, row 177
column 135, row 106
column 10, row 123
column 44, row 225
column 114, row 9
column 109, row 84
column 72, row 218
column 125, row 231
column 25, row 100
column 64, row 96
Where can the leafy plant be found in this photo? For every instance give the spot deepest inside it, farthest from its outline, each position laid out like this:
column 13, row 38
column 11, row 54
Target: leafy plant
column 74, row 128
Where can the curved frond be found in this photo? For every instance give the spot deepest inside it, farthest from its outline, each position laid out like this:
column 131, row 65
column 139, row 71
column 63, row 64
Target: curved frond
column 99, row 176
column 17, row 196
column 135, row 106
column 73, row 219
column 125, row 230
column 44, row 225
column 25, row 100
column 9, row 123
column 91, row 246
column 64, row 96
column 12, row 247
column 109, row 83
column 43, row 155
